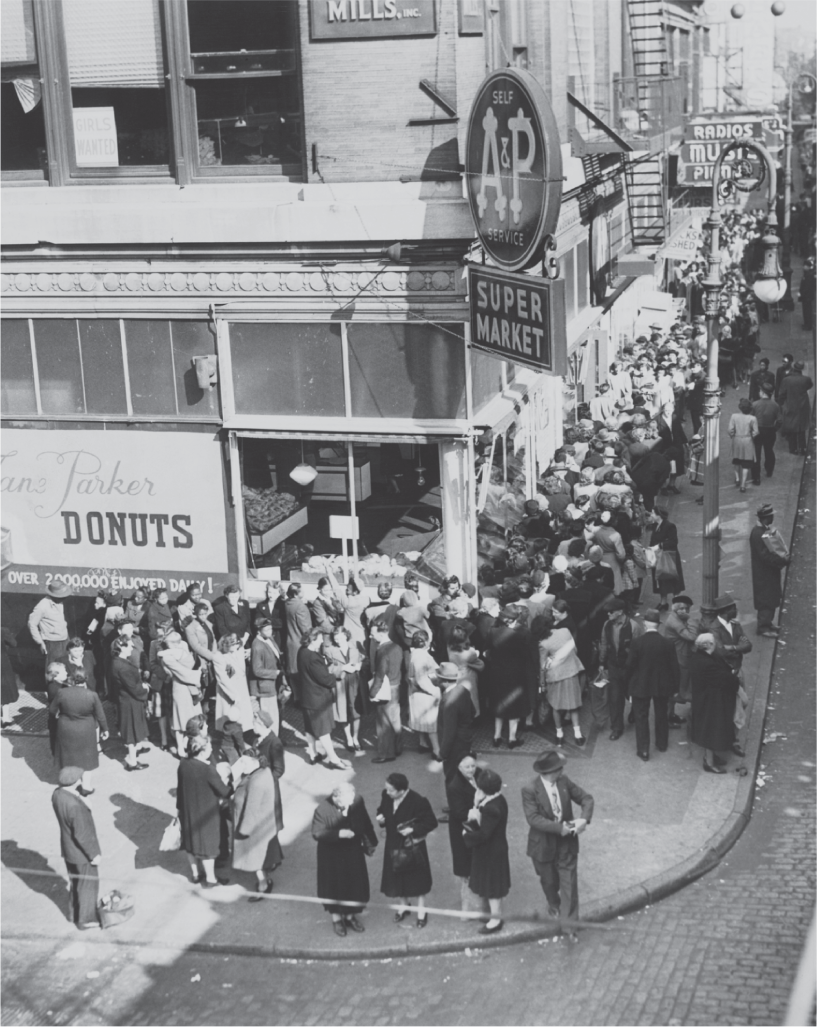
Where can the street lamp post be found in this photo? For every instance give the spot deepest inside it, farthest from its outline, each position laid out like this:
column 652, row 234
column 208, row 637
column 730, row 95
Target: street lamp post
column 769, row 288
column 787, row 176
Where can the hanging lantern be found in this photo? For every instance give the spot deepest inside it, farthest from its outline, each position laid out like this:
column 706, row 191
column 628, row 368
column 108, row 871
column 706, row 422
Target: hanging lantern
column 770, row 285
column 303, row 473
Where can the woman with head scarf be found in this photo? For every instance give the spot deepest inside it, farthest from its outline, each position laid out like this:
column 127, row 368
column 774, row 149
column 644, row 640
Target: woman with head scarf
column 668, row 573
column 78, row 713
column 485, row 834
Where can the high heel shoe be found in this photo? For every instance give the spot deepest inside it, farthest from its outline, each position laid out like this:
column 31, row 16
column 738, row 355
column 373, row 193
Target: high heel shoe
column 713, row 770
column 399, row 917
column 422, row 921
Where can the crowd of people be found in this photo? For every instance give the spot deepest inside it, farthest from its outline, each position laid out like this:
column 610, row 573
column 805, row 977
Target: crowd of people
column 549, row 628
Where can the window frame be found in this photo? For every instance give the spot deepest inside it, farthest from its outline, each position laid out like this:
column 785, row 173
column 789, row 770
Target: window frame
column 182, row 167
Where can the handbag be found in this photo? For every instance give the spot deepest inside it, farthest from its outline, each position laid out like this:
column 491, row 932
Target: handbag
column 115, row 908
column 407, row 856
column 368, row 848
column 171, row 837
column 601, row 679
column 665, row 564
column 384, row 692
column 650, row 558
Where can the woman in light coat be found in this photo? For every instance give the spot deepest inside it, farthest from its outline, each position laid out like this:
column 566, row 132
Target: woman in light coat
column 255, row 842
column 742, row 430
column 424, row 692
column 234, row 713
column 612, row 547
column 560, row 669
column 345, row 658
column 179, row 662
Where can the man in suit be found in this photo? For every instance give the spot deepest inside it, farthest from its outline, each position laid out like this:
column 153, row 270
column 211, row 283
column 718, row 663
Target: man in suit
column 553, row 839
column 731, row 643
column 652, row 676
column 767, row 567
column 614, row 646
column 79, row 846
column 454, row 719
column 384, row 692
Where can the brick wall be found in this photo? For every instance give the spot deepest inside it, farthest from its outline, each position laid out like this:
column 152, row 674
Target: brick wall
column 359, row 96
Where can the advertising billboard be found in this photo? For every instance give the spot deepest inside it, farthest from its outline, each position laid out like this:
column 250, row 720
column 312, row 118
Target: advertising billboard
column 111, row 509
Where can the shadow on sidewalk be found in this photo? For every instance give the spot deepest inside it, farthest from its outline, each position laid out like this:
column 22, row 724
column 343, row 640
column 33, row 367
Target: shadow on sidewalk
column 144, row 826
column 53, row 888
column 37, row 755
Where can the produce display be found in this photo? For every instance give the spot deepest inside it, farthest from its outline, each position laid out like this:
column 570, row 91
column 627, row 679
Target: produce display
column 264, row 508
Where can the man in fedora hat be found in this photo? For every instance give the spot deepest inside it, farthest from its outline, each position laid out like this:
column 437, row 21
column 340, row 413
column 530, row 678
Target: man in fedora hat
column 553, row 838
column 384, row 692
column 47, row 623
column 79, row 846
column 651, row 676
column 769, row 556
column 731, row 643
column 454, row 719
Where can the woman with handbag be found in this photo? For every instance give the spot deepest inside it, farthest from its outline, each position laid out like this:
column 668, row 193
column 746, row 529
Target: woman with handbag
column 424, row 693
column 461, row 792
column 344, row 658
column 256, row 822
column 668, row 573
column 485, row 834
column 160, row 683
column 200, row 790
column 78, row 713
column 343, row 830
column 317, row 680
column 179, row 662
column 407, row 818
column 234, row 712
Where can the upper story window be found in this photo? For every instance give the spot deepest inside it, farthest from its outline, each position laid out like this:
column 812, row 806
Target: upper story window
column 150, row 88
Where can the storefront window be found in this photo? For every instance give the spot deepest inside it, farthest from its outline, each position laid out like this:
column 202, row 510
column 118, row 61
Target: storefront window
column 58, row 362
column 17, row 381
column 23, row 123
column 243, row 74
column 407, row 370
column 287, row 368
column 102, row 367
column 150, row 367
column 117, row 72
column 501, row 492
column 193, row 339
column 397, row 503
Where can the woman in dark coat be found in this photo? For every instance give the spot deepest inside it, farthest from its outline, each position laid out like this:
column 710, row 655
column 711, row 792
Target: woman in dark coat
column 55, row 677
column 345, row 835
column 665, row 535
column 512, row 671
column 133, row 695
column 78, row 659
column 318, row 682
column 78, row 713
column 407, row 817
column 198, row 802
column 9, row 693
column 460, row 792
column 714, row 691
column 485, row 835
column 298, row 621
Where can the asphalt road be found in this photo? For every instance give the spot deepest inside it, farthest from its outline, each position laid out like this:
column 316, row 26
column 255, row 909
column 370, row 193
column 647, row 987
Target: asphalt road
column 722, row 951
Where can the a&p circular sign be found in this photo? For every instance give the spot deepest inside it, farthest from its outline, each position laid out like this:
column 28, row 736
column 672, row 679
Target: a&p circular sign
column 513, row 164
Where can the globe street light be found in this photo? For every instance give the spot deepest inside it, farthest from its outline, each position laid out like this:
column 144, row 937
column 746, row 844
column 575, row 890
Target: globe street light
column 744, row 176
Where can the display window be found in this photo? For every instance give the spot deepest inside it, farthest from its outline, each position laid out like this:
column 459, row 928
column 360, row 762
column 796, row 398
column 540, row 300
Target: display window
column 298, row 495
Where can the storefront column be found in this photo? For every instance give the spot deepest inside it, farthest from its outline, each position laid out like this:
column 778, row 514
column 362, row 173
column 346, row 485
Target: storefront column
column 456, row 478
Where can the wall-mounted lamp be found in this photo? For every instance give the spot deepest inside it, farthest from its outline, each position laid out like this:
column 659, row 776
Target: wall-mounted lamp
column 770, row 285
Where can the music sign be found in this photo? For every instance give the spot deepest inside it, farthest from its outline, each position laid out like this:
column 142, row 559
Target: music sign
column 519, row 318
column 513, row 167
column 704, row 139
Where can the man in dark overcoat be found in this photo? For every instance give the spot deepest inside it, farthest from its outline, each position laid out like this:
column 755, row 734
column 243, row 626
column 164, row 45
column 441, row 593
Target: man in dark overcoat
column 731, row 643
column 455, row 718
column 553, row 838
column 614, row 646
column 767, row 567
column 796, row 408
column 79, row 846
column 652, row 676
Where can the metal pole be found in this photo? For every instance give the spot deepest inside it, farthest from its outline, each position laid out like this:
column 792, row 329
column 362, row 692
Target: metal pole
column 787, row 188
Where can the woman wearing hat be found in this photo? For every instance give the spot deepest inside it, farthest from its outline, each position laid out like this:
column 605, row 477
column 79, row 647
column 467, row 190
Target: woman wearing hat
column 461, row 792
column 424, row 692
column 794, row 401
column 668, row 574
column 133, row 695
column 485, row 834
column 512, row 671
column 78, row 713
column 560, row 668
column 345, row 658
column 714, row 691
column 178, row 661
column 256, row 816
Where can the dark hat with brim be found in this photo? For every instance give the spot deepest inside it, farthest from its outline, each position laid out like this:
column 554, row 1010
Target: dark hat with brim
column 69, row 776
column 548, row 762
column 766, row 511
column 683, row 599
column 57, row 590
column 723, row 602
column 447, row 672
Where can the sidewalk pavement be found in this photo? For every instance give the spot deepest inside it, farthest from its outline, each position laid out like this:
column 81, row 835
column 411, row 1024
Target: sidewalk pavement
column 656, row 827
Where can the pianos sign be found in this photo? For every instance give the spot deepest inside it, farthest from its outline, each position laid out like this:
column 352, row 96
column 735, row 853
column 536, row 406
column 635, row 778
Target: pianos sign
column 518, row 317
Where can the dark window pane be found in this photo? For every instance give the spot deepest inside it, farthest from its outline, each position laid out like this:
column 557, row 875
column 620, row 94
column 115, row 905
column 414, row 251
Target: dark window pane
column 193, row 339
column 17, row 383
column 582, row 273
column 150, row 367
column 407, row 370
column 287, row 369
column 569, row 273
column 140, row 116
column 102, row 367
column 58, row 366
column 250, row 122
column 224, row 26
column 23, row 135
column 486, row 379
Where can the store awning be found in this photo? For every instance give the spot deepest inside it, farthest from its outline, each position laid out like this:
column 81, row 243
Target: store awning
column 413, row 440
